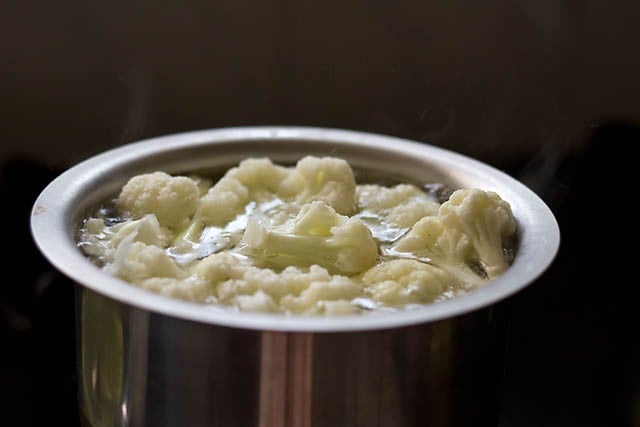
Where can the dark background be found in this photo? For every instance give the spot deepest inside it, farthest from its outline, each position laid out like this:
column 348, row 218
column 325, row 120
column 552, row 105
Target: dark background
column 545, row 90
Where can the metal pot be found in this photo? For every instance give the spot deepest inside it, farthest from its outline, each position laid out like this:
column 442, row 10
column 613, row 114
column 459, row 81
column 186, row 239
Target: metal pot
column 147, row 360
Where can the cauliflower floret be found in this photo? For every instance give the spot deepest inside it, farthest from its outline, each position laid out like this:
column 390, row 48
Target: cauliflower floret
column 400, row 206
column 136, row 261
column 327, row 179
column 259, row 176
column 448, row 248
column 259, row 301
column 313, row 298
column 253, row 179
column 274, row 239
column 404, row 281
column 223, row 202
column 467, row 232
column 232, row 276
column 411, row 211
column 486, row 219
column 101, row 241
column 188, row 289
column 318, row 235
column 93, row 227
column 219, row 267
column 173, row 200
column 262, row 289
column 146, row 230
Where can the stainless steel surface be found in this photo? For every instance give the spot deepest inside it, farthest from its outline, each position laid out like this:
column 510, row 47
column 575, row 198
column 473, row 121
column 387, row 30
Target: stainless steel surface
column 146, row 360
column 139, row 368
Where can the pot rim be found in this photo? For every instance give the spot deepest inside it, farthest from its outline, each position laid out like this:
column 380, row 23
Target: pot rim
column 53, row 228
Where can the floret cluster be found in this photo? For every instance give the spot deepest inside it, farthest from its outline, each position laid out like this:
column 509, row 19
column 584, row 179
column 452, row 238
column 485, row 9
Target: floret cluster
column 304, row 239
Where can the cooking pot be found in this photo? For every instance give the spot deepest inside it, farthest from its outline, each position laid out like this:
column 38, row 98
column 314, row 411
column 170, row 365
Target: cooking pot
column 148, row 360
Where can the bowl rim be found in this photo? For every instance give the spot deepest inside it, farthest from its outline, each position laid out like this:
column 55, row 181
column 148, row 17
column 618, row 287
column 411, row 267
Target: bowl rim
column 51, row 229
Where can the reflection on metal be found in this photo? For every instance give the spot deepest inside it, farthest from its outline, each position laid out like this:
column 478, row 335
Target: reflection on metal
column 101, row 358
column 286, row 381
column 164, row 371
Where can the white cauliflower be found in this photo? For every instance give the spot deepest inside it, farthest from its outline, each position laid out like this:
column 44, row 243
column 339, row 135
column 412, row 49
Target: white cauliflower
column 327, row 179
column 102, row 241
column 232, row 276
column 257, row 183
column 252, row 180
column 400, row 206
column 223, row 202
column 295, row 290
column 404, row 281
column 188, row 288
column 318, row 235
column 137, row 254
column 137, row 261
column 259, row 175
column 259, row 301
column 313, row 298
column 273, row 239
column 486, row 219
column 467, row 233
column 146, row 230
column 447, row 248
column 173, row 200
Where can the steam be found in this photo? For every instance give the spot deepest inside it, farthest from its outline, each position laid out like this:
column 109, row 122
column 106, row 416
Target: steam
column 138, row 86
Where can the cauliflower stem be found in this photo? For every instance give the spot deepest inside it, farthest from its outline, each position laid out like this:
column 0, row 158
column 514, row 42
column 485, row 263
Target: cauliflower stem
column 318, row 236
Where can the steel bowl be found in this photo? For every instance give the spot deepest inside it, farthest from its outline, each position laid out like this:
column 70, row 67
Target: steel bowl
column 148, row 360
